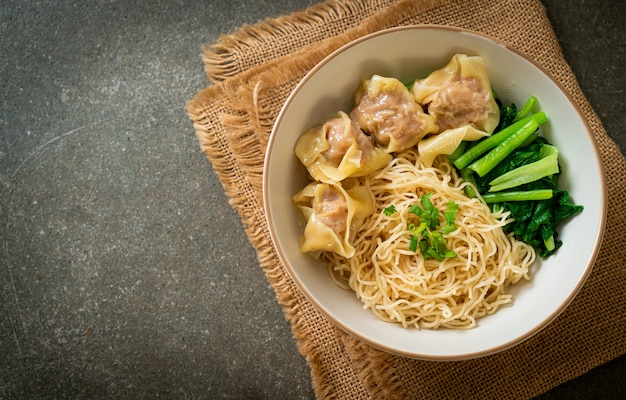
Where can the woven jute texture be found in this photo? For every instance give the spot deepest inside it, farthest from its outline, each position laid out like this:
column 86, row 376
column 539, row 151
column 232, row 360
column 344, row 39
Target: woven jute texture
column 253, row 70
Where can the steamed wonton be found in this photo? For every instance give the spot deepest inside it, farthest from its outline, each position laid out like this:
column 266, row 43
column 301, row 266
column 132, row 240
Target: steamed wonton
column 387, row 110
column 332, row 213
column 338, row 149
column 459, row 94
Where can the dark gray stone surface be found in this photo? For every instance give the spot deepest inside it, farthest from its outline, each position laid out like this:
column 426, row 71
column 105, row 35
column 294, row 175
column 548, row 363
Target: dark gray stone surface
column 124, row 271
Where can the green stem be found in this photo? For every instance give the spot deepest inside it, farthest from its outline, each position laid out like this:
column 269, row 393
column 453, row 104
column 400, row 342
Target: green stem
column 549, row 243
column 458, row 152
column 539, row 194
column 468, row 176
column 497, row 138
column 488, row 162
column 526, row 109
column 534, row 171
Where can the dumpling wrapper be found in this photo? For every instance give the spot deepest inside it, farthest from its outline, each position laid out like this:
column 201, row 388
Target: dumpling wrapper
column 446, row 142
column 459, row 94
column 338, row 149
column 387, row 110
column 319, row 236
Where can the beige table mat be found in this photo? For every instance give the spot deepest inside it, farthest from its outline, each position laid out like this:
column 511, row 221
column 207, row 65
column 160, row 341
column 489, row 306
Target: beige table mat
column 253, row 71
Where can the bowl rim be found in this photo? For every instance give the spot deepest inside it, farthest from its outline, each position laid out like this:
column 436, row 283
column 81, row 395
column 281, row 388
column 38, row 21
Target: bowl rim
column 339, row 324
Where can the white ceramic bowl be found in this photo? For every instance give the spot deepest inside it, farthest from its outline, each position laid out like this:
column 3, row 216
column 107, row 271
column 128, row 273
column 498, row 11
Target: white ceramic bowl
column 406, row 53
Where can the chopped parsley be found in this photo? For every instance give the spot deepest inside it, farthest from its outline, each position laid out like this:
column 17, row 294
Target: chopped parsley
column 450, row 214
column 428, row 213
column 389, row 211
column 427, row 235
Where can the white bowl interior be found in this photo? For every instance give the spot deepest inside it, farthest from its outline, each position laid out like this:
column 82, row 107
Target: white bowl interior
column 407, row 53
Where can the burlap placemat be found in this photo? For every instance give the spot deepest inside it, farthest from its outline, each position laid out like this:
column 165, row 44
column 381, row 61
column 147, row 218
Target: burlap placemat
column 253, row 71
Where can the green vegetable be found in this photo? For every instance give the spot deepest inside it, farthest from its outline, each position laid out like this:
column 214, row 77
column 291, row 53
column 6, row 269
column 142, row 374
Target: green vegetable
column 468, row 176
column 535, row 221
column 535, row 207
column 450, row 215
column 539, row 194
column 549, row 243
column 389, row 211
column 530, row 139
column 460, row 149
column 501, row 151
column 528, row 108
column 507, row 115
column 428, row 213
column 519, row 157
column 425, row 236
column 494, row 140
column 413, row 242
column 431, row 243
column 546, row 166
column 523, row 182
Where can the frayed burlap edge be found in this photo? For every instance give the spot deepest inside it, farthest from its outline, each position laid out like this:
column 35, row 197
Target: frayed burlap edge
column 254, row 45
column 248, row 124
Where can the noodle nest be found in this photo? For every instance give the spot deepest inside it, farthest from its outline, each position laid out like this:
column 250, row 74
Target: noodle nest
column 399, row 285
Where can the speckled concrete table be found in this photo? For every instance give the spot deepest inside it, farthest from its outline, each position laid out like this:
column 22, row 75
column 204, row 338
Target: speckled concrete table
column 125, row 273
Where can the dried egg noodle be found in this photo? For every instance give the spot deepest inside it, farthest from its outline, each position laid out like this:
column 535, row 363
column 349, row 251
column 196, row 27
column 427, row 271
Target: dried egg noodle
column 399, row 285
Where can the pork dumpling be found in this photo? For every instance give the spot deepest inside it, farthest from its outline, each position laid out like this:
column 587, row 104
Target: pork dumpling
column 459, row 94
column 446, row 142
column 338, row 149
column 386, row 109
column 332, row 214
